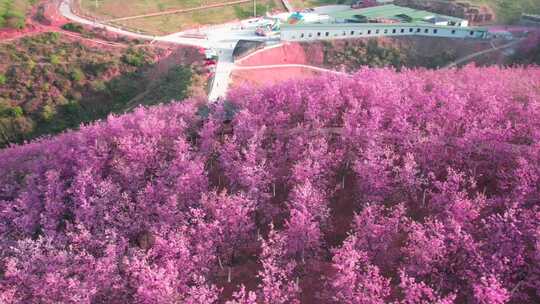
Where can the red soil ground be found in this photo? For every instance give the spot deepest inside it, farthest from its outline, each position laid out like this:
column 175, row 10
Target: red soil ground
column 285, row 54
column 270, row 76
column 289, row 53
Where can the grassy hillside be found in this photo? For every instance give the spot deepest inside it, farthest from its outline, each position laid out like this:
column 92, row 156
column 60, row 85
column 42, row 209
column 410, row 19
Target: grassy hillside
column 351, row 55
column 314, row 3
column 48, row 84
column 509, row 11
column 112, row 9
column 13, row 12
column 399, row 53
column 126, row 8
column 414, row 52
column 167, row 24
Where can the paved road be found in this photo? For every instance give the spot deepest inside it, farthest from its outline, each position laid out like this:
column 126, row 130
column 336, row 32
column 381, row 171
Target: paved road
column 224, row 68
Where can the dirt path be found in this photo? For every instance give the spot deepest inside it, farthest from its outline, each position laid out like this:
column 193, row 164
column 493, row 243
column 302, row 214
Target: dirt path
column 48, row 29
column 480, row 53
column 7, row 37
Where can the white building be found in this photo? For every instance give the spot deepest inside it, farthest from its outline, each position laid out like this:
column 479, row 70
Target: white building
column 307, row 32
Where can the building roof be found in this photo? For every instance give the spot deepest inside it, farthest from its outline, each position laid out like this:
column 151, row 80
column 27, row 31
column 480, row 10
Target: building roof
column 436, row 19
column 391, row 11
column 326, row 26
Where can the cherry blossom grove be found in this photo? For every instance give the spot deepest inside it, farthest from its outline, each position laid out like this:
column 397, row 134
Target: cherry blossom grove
column 378, row 187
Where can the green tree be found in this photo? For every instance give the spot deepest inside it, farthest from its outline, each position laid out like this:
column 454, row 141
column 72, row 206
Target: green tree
column 53, row 37
column 76, row 75
column 47, row 113
column 174, row 85
column 7, row 110
column 30, row 64
column 15, row 20
column 135, row 57
column 54, row 59
column 99, row 86
column 72, row 27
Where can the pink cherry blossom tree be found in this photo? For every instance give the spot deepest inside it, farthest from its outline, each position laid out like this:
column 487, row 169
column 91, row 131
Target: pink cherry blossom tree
column 279, row 285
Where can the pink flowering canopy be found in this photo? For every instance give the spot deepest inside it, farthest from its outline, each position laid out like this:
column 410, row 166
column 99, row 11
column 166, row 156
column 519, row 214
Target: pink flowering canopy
column 379, row 187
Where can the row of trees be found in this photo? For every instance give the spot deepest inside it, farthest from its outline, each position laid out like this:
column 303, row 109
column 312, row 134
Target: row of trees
column 412, row 187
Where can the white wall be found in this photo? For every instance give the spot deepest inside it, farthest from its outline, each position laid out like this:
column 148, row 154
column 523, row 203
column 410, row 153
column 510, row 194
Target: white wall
column 351, row 31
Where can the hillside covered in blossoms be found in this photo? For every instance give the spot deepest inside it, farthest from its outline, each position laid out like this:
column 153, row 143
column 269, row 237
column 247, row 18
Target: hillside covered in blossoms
column 380, row 187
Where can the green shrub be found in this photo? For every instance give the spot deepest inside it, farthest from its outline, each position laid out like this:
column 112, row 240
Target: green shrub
column 24, row 126
column 99, row 86
column 15, row 20
column 11, row 16
column 54, row 59
column 72, row 27
column 47, row 113
column 174, row 85
column 11, row 111
column 3, row 79
column 243, row 13
column 52, row 37
column 135, row 57
column 96, row 68
column 72, row 113
column 30, row 64
column 4, row 105
column 76, row 75
column 123, row 89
